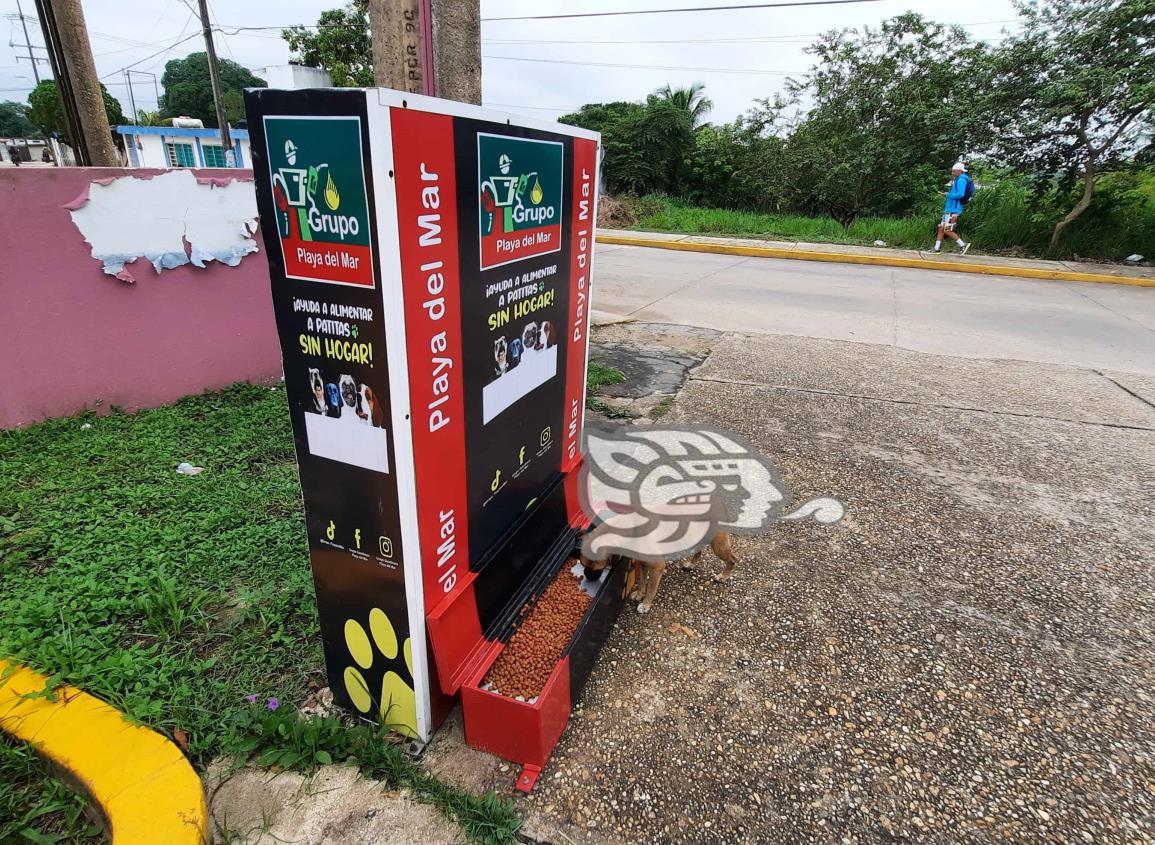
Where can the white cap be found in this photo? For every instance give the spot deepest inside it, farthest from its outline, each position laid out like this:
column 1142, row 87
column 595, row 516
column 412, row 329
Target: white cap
column 958, row 165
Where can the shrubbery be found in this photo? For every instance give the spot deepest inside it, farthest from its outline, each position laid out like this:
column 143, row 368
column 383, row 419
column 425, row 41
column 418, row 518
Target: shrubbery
column 1006, row 216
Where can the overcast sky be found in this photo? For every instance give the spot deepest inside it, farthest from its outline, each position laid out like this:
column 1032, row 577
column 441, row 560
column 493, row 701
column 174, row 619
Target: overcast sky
column 688, row 47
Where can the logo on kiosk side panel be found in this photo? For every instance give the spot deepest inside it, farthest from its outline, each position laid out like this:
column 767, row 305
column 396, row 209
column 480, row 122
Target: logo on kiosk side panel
column 519, row 181
column 322, row 208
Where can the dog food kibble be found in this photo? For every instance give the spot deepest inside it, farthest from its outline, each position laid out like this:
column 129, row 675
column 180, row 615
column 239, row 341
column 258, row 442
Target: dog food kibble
column 532, row 652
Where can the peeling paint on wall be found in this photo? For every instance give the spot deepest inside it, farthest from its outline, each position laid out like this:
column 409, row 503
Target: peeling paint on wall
column 169, row 220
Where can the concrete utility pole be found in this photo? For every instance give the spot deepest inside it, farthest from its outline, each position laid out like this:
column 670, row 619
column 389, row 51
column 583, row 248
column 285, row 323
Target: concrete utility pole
column 27, row 42
column 215, row 79
column 428, row 47
column 400, row 54
column 85, row 86
column 457, row 49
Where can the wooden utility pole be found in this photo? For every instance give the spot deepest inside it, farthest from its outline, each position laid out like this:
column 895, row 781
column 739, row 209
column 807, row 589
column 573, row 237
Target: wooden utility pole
column 84, row 84
column 215, row 79
column 399, row 50
column 457, row 49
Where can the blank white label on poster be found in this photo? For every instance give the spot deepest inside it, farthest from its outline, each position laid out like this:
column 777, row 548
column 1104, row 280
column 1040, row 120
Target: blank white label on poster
column 348, row 439
column 537, row 366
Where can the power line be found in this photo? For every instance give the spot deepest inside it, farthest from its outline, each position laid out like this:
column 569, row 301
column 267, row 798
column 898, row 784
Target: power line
column 793, row 4
column 228, row 29
column 753, row 39
column 167, row 49
column 760, row 39
column 750, row 71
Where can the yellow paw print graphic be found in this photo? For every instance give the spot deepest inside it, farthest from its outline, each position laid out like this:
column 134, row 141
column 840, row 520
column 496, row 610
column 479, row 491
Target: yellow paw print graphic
column 396, row 705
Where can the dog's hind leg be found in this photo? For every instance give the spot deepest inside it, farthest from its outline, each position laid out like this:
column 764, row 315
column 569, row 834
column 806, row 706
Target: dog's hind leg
column 725, row 552
column 692, row 563
column 657, row 570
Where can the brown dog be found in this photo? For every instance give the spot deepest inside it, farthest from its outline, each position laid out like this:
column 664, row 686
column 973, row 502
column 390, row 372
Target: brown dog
column 652, row 571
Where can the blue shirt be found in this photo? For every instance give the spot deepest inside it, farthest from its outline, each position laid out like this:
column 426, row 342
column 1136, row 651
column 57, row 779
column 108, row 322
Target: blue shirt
column 958, row 189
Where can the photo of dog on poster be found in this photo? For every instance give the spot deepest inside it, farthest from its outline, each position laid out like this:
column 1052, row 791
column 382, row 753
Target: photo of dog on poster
column 523, row 360
column 344, row 420
column 344, row 399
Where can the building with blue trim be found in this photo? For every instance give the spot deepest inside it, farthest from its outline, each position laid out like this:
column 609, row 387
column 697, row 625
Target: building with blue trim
column 168, row 146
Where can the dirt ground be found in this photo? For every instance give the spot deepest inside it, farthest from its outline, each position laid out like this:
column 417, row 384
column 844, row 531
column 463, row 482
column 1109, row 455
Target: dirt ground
column 967, row 656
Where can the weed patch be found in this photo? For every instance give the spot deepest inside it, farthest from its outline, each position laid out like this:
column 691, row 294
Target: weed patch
column 601, row 375
column 35, row 806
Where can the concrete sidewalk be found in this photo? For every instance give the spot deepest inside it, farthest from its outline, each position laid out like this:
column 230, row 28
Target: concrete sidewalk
column 949, row 259
column 964, row 658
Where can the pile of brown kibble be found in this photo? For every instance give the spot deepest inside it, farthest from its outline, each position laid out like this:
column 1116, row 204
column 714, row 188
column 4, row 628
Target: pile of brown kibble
column 529, row 658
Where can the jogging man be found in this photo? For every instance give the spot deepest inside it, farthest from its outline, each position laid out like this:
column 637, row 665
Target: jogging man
column 953, row 208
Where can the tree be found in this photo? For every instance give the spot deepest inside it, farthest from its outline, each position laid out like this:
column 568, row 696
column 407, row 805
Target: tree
column 188, row 90
column 1074, row 92
column 47, row 111
column 880, row 117
column 646, row 146
column 151, row 118
column 693, row 99
column 736, row 165
column 339, row 44
column 234, row 106
column 14, row 120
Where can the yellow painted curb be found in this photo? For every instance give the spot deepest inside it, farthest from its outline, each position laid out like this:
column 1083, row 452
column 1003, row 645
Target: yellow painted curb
column 880, row 260
column 146, row 790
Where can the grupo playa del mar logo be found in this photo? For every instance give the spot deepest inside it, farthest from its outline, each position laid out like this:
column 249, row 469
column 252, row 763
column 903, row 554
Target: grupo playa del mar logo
column 520, row 186
column 322, row 209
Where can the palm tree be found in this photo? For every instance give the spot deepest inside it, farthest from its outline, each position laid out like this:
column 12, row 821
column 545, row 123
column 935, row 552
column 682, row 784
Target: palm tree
column 150, row 118
column 692, row 99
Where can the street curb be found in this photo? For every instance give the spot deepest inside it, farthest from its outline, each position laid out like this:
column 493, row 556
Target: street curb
column 881, row 260
column 140, row 782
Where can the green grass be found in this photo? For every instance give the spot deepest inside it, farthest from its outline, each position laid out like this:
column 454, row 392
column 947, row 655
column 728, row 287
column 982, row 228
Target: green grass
column 173, row 597
column 1003, row 218
column 601, row 375
column 674, row 217
column 662, row 408
column 597, row 377
column 170, row 596
column 35, row 806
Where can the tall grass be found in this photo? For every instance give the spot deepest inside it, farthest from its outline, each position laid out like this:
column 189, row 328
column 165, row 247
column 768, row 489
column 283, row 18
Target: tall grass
column 897, row 232
column 1003, row 218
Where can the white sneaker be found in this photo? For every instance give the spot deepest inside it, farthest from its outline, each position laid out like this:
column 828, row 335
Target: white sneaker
column 966, row 246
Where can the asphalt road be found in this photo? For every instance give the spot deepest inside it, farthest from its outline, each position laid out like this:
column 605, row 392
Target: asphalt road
column 1097, row 326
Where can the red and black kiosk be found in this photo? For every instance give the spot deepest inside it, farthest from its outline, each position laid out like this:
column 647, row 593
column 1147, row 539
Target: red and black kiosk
column 431, row 266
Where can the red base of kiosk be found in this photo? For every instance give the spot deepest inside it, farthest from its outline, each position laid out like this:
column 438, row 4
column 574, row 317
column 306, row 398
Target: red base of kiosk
column 515, row 730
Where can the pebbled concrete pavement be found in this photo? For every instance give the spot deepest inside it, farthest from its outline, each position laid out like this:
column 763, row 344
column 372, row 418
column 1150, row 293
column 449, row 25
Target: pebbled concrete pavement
column 966, row 657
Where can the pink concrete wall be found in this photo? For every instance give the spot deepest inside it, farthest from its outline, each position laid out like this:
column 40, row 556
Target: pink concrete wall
column 75, row 338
